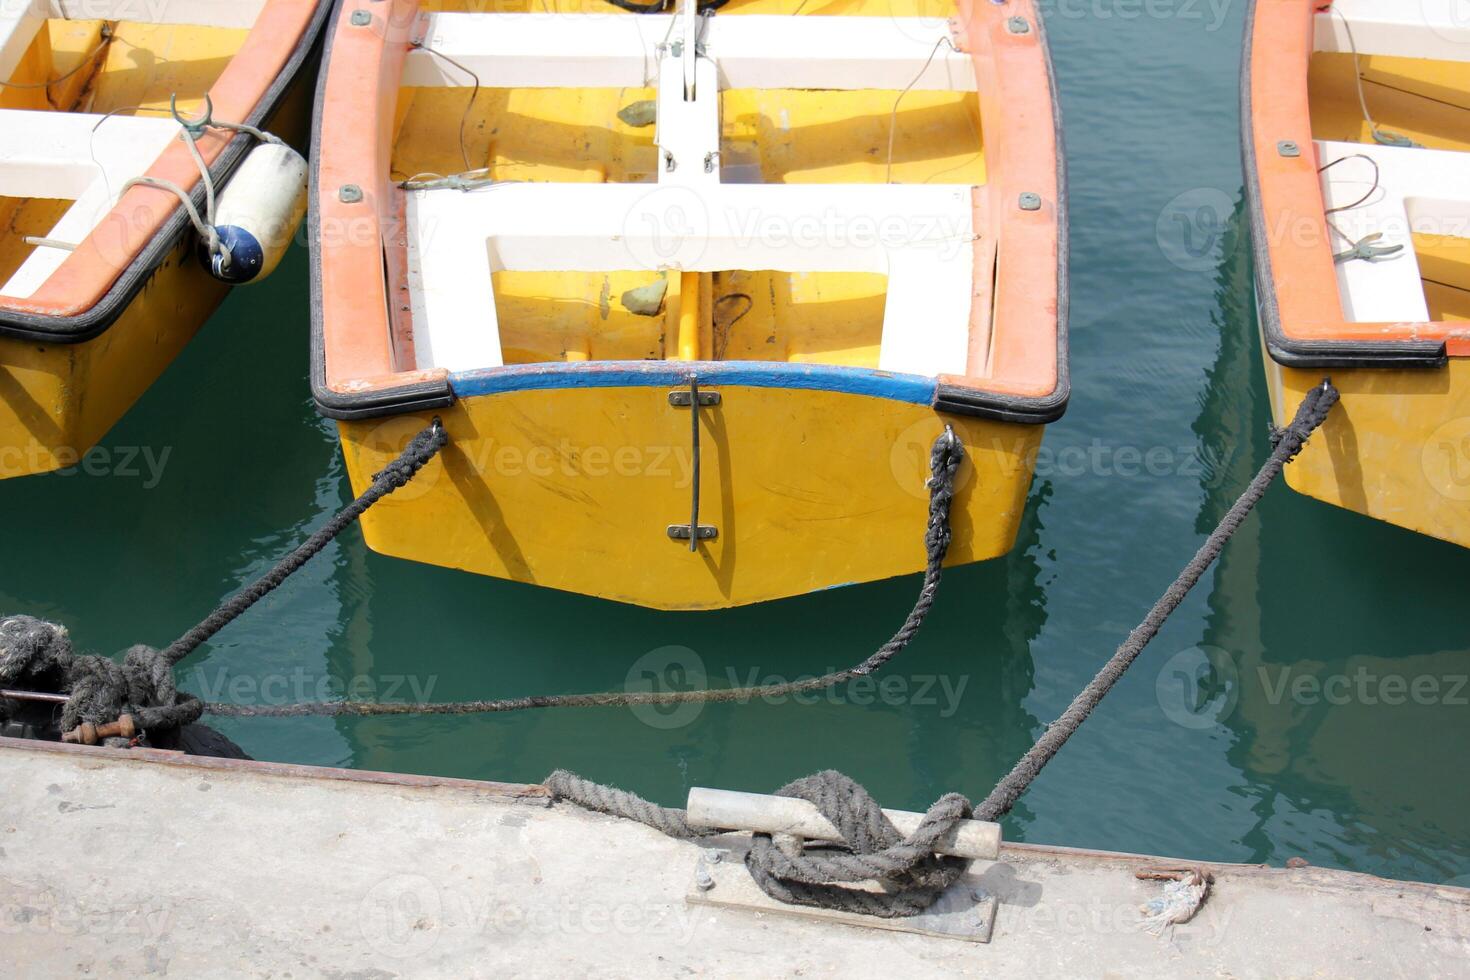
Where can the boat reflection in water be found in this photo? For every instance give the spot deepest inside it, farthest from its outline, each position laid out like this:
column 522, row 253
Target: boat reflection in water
column 1333, row 712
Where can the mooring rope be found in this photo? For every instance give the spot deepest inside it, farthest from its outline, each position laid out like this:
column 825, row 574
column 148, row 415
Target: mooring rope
column 945, row 457
column 871, row 849
column 38, row 656
column 814, row 878
column 1288, row 442
column 420, row 449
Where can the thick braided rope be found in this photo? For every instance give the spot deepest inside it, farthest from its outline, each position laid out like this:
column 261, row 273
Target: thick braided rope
column 873, row 850
column 422, row 448
column 913, row 877
column 1289, row 441
column 38, row 656
column 945, row 457
column 618, row 803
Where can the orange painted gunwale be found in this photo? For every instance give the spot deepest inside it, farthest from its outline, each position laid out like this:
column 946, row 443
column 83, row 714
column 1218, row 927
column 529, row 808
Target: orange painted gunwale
column 1289, row 191
column 1019, row 359
column 89, row 272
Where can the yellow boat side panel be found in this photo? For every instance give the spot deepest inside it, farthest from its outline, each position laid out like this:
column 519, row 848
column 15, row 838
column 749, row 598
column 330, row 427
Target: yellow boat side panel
column 133, row 71
column 1444, row 265
column 1397, row 447
column 146, row 63
column 56, row 68
column 21, row 218
column 596, row 475
column 58, row 400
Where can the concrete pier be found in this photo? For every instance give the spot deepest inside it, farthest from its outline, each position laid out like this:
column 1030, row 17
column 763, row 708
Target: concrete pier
column 147, row 862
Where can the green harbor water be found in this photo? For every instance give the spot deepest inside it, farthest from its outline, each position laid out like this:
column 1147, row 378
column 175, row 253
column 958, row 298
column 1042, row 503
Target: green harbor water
column 1309, row 699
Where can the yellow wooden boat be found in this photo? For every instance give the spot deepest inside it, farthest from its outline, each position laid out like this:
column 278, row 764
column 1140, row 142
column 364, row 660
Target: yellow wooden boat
column 1356, row 123
column 100, row 286
column 564, row 227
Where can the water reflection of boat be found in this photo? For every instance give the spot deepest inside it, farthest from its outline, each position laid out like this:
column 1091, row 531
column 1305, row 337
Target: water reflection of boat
column 949, row 712
column 1341, row 722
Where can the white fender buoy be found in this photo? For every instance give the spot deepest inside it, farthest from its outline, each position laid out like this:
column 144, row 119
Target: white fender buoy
column 258, row 212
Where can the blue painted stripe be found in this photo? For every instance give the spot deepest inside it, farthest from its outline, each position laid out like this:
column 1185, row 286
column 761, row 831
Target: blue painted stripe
column 755, row 374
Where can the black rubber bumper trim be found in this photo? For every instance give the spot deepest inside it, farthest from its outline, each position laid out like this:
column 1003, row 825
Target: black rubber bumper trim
column 949, row 398
column 1283, row 349
column 85, row 326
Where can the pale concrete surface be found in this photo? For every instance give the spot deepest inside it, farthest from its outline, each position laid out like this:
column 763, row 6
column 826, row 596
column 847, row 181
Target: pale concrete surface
column 116, row 864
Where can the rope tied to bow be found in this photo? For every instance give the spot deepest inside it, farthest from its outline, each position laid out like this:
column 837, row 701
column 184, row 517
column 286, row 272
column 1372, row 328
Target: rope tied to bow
column 945, row 456
column 1286, row 443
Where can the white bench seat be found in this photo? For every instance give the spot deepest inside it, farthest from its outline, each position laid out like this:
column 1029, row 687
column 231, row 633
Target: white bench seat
column 1420, row 190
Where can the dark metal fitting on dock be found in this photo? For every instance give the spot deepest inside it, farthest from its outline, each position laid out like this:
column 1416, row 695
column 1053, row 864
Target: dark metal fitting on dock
column 89, row 734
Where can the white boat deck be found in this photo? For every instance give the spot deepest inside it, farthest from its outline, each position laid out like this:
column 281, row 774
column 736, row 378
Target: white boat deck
column 1417, row 189
column 920, row 237
column 149, row 862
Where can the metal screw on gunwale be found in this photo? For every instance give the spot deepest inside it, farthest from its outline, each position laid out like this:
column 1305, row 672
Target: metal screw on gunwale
column 349, row 194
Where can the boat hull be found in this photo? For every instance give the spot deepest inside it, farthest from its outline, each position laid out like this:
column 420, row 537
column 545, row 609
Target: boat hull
column 567, row 466
column 809, row 489
column 59, row 398
column 1397, row 448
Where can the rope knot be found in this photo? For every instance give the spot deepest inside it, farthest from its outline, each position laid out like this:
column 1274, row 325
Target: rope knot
column 945, row 457
column 38, row 656
column 1309, row 417
column 420, row 449
column 872, row 850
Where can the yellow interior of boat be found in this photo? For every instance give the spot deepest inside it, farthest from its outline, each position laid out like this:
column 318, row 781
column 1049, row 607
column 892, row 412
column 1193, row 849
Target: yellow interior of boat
column 1426, row 101
column 768, row 136
column 117, row 67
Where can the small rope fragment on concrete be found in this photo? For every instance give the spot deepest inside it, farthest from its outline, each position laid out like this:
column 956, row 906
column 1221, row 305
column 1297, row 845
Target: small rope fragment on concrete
column 1185, row 891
